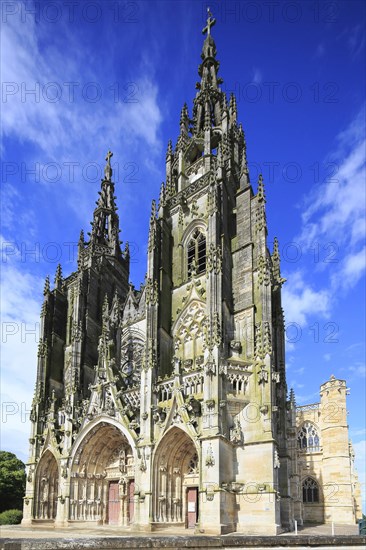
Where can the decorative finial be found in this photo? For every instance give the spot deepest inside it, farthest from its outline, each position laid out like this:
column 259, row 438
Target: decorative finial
column 292, row 396
column 184, row 120
column 58, row 277
column 233, row 107
column 184, row 113
column 81, row 246
column 210, row 23
column 46, row 289
column 162, row 196
column 261, row 193
column 169, row 150
column 108, row 168
column 153, row 211
column 244, row 160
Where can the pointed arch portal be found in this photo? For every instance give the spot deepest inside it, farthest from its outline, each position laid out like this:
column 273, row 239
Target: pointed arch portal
column 102, row 477
column 46, row 488
column 176, row 479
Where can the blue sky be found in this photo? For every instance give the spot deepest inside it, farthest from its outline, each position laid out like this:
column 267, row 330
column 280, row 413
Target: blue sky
column 82, row 77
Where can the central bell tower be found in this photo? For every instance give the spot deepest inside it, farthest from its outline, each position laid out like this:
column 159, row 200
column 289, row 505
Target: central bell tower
column 216, row 324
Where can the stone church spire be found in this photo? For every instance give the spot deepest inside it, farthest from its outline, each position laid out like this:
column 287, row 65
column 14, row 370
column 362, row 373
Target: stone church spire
column 208, row 101
column 211, row 127
column 105, row 232
column 209, row 66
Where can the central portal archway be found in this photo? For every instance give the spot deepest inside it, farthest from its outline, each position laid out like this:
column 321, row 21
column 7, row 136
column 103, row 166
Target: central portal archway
column 102, row 476
column 175, row 498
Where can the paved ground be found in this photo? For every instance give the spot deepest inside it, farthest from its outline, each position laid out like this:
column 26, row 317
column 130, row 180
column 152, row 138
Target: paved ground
column 17, row 531
column 320, row 530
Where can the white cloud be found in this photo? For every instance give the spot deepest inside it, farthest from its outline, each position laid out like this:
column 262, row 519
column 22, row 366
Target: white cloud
column 29, row 116
column 307, row 398
column 143, row 118
column 9, row 195
column 357, row 370
column 122, row 115
column 300, row 300
column 295, row 385
column 356, row 432
column 339, row 199
column 352, row 269
column 19, row 290
column 21, row 222
column 290, row 359
column 334, row 214
column 355, row 347
column 127, row 120
column 20, row 303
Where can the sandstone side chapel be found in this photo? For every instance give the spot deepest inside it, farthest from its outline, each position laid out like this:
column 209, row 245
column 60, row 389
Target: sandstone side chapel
column 168, row 404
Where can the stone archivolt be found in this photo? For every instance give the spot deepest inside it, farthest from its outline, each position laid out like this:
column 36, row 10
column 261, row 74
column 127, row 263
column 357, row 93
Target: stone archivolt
column 175, row 468
column 46, row 487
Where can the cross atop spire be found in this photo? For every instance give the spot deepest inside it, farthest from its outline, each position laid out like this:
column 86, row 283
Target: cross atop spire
column 210, row 23
column 108, row 168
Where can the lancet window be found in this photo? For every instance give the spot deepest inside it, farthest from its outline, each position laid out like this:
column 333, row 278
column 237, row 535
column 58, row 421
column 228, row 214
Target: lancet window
column 196, row 253
column 310, row 490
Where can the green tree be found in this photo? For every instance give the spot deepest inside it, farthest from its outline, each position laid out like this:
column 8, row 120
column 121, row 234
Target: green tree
column 12, row 482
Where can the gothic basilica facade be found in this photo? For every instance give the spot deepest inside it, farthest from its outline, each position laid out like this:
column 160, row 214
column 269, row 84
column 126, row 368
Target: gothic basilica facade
column 168, row 404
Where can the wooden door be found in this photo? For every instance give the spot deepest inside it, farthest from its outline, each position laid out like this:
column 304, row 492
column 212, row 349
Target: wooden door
column 113, row 503
column 192, row 507
column 131, row 501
